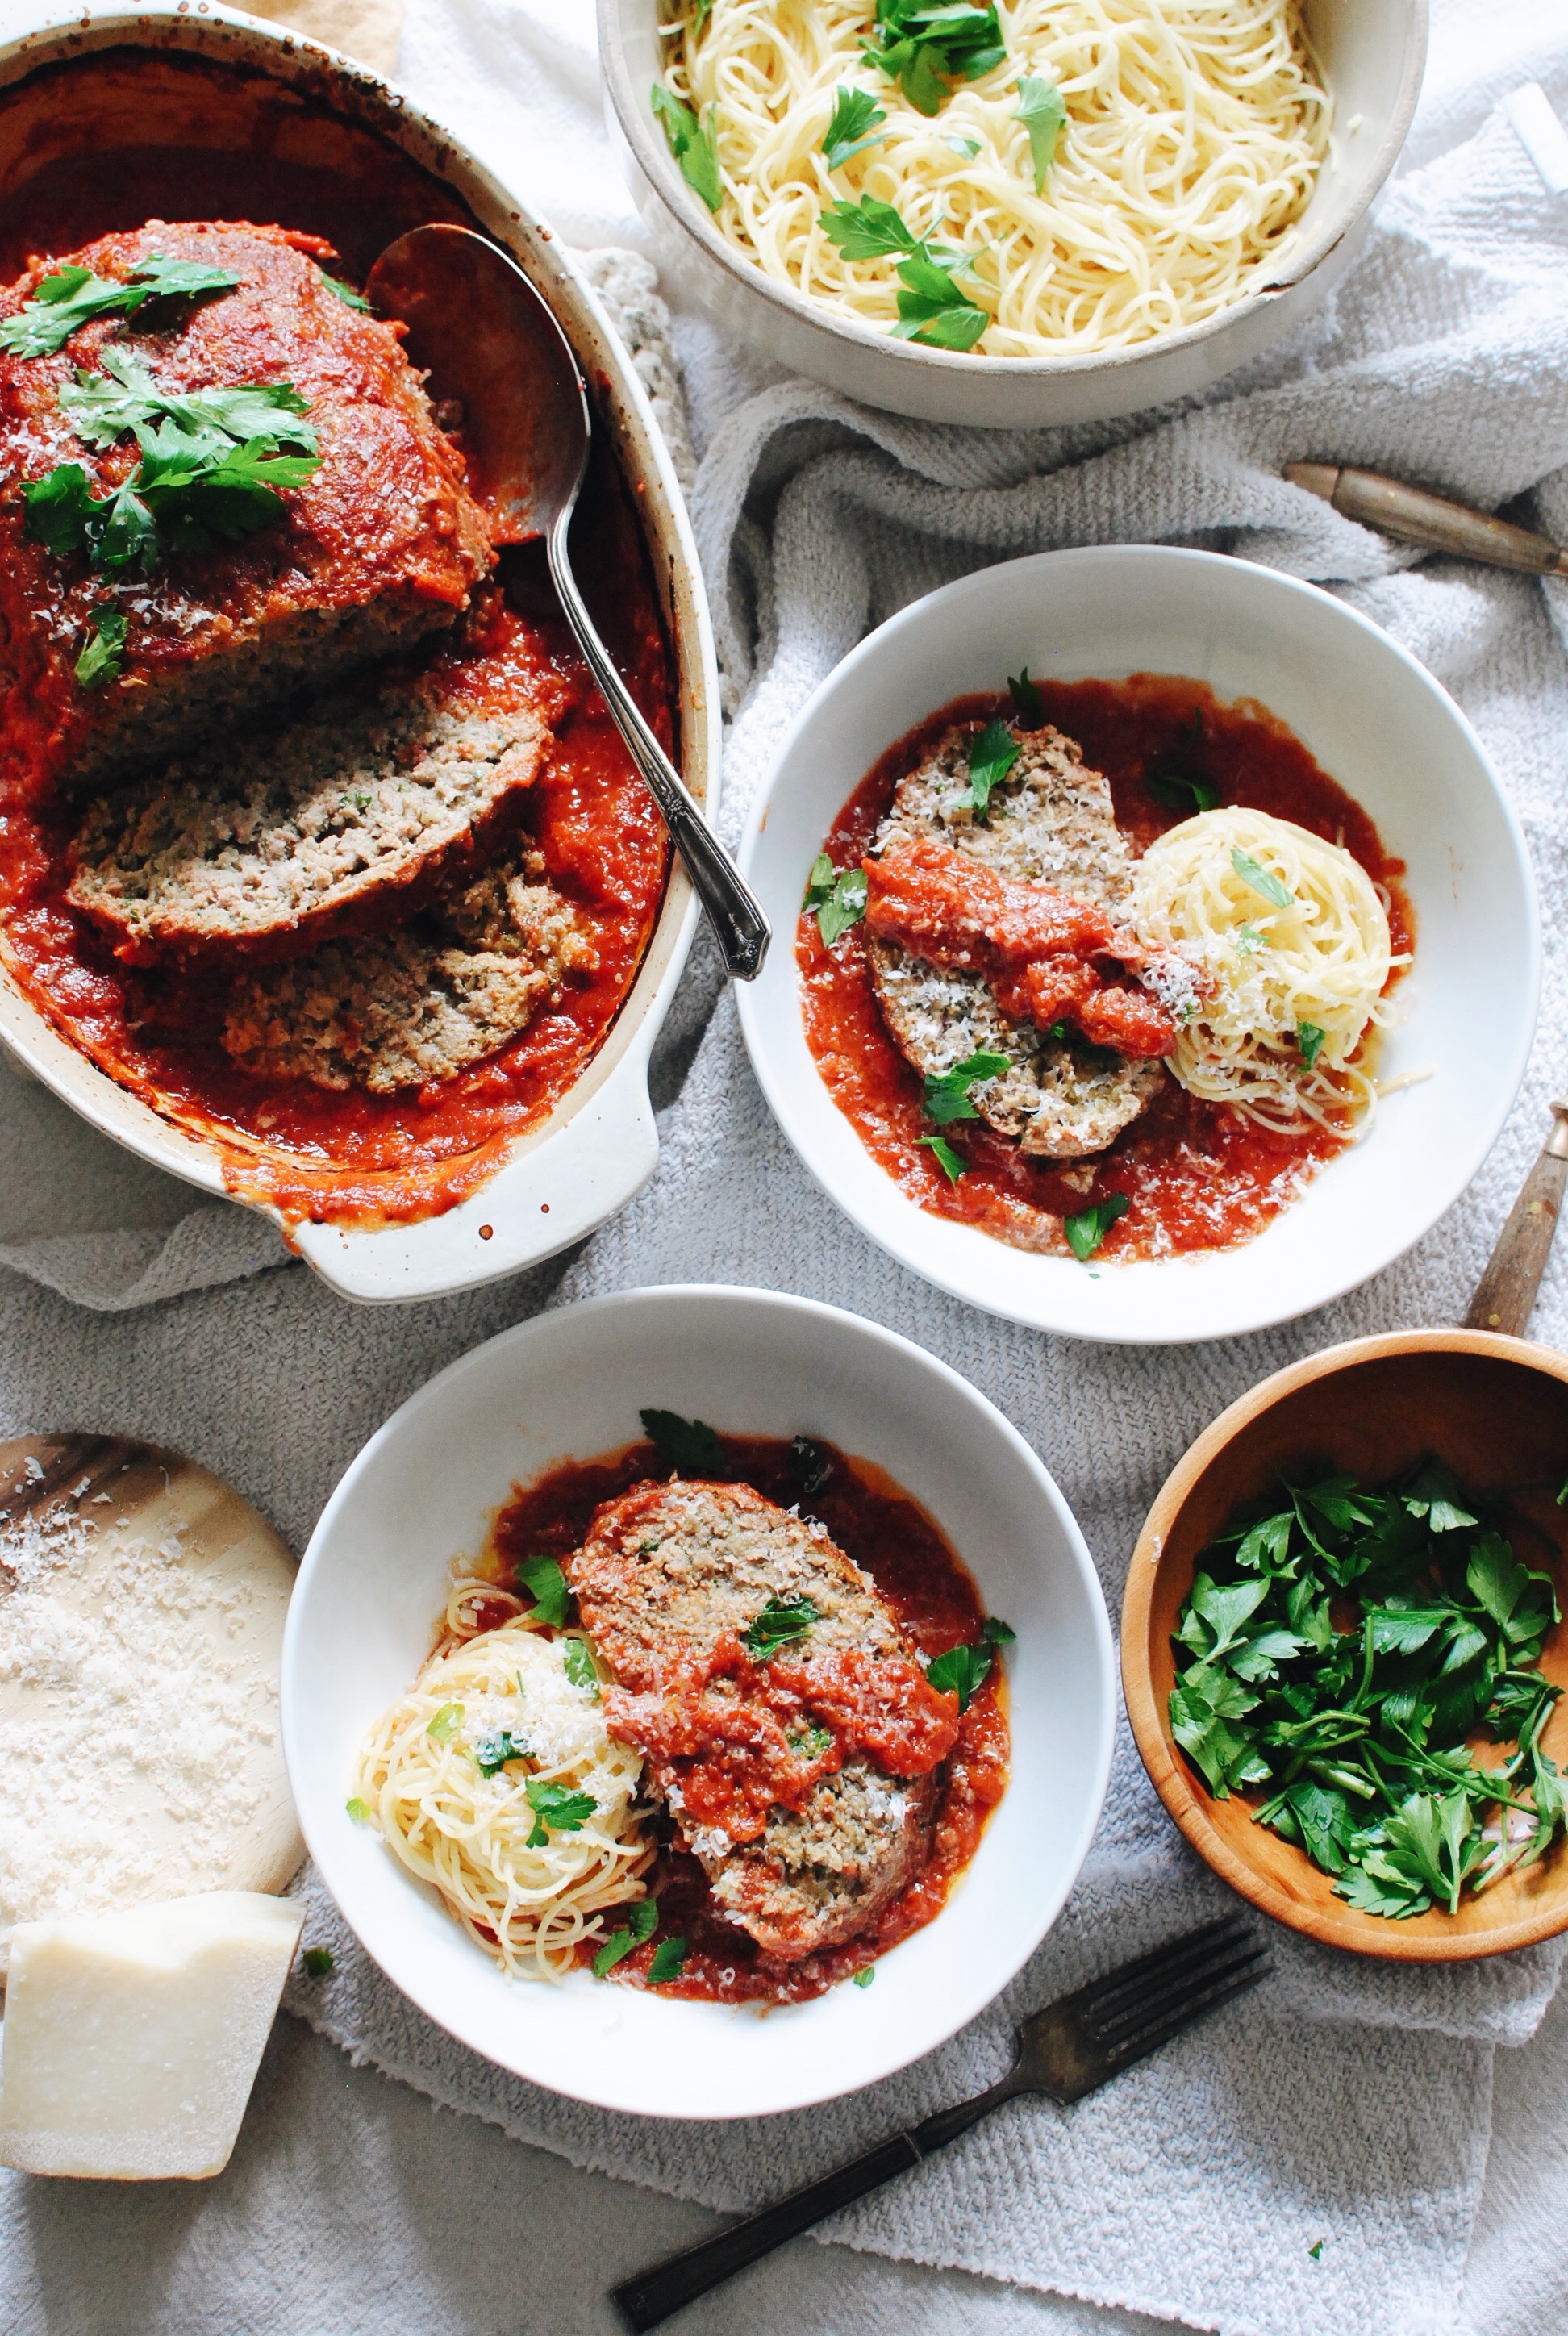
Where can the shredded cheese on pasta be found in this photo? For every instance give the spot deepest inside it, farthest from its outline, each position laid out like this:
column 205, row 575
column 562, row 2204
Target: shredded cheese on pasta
column 1266, row 977
column 527, row 1903
column 1194, row 133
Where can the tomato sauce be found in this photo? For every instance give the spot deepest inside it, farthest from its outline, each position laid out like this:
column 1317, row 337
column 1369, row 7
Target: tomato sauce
column 316, row 1154
column 1197, row 1176
column 935, row 1603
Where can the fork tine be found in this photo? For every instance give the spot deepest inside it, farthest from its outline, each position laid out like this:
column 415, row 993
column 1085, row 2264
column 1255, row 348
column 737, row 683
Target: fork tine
column 1174, row 1990
column 1143, row 2040
column 1103, row 1995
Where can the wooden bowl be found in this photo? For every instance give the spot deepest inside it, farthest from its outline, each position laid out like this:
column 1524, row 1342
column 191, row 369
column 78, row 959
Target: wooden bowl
column 1496, row 1410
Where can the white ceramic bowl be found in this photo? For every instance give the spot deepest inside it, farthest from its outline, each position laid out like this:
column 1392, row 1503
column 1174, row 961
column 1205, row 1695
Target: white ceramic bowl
column 1378, row 724
column 571, row 1385
column 62, row 92
column 1373, row 53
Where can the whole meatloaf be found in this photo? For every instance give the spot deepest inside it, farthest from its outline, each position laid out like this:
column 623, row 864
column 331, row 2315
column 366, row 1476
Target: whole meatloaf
column 345, row 820
column 380, row 546
column 415, row 1008
column 804, row 1780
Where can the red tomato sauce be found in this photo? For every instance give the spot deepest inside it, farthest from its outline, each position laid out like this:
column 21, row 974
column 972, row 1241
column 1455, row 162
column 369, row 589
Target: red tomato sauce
column 1197, row 1176
column 937, row 1606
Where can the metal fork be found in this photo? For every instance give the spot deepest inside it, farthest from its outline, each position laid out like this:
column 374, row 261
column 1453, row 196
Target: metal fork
column 1064, row 2050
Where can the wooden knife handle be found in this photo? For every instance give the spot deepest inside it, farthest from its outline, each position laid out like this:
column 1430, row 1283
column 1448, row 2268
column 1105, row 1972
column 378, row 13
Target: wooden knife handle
column 1417, row 517
column 1506, row 1290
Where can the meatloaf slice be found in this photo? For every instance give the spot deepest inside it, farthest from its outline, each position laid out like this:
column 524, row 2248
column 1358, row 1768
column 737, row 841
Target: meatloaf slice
column 1051, row 823
column 380, row 546
column 669, row 1576
column 343, row 821
column 412, row 1008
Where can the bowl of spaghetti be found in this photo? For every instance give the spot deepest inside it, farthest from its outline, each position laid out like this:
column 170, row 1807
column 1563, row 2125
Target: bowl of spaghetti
column 1165, row 949
column 691, row 1655
column 1010, row 215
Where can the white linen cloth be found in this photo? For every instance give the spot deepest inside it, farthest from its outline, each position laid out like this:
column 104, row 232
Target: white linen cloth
column 1195, row 2188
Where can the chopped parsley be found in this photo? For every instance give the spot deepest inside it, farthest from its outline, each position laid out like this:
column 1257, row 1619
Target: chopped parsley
column 925, row 45
column 932, row 306
column 494, row 1747
column 865, row 1978
column 695, row 149
column 961, row 1671
column 1175, row 780
column 837, row 899
column 668, row 1958
column 1044, row 115
column 1358, row 1736
column 856, row 117
column 577, row 1661
column 1089, row 1228
column 543, row 1580
column 357, row 1809
column 317, row 1962
column 1260, row 880
column 75, row 295
column 1308, row 1041
column 1026, row 699
column 1316, row 2251
column 996, row 1633
column 1249, row 940
column 346, row 292
column 104, row 655
column 947, row 1093
column 810, row 1465
column 952, row 1163
column 690, row 1446
column 966, row 147
column 445, row 1724
column 556, row 1809
column 993, row 751
column 779, row 1621
column 641, row 1923
column 811, row 1742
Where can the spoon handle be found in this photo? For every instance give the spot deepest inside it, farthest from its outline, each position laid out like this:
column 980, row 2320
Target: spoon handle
column 740, row 927
column 1506, row 1290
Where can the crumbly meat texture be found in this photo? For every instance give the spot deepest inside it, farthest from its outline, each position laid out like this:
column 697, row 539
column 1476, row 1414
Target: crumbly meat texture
column 1051, row 823
column 383, row 545
column 414, row 1007
column 345, row 820
column 665, row 1571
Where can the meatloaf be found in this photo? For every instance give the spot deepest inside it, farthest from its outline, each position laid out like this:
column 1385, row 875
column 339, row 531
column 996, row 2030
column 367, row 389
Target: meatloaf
column 1051, row 824
column 414, row 1007
column 669, row 1580
column 379, row 547
column 345, row 820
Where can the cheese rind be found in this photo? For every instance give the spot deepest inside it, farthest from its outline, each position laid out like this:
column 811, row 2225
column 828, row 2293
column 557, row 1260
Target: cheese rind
column 131, row 2040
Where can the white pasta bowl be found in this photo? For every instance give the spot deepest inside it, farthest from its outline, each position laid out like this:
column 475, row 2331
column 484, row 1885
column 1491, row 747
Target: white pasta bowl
column 569, row 1385
column 1373, row 54
column 1377, row 723
column 86, row 84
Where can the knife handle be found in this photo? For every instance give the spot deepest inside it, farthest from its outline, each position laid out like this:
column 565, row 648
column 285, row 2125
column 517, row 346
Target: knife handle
column 1506, row 1292
column 1417, row 517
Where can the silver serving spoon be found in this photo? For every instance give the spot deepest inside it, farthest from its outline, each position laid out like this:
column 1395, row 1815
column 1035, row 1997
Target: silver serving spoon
column 487, row 343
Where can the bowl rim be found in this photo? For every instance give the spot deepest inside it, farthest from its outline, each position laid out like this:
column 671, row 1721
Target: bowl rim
column 1168, row 1773
column 610, row 1092
column 696, row 222
column 887, row 1227
column 960, row 2004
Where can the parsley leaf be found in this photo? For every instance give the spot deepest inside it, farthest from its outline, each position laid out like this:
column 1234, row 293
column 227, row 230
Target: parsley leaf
column 102, row 407
column 357, row 1809
column 1088, row 1229
column 696, row 149
column 952, row 1163
column 445, row 1724
column 947, row 1093
column 779, row 1621
column 1026, row 699
column 1044, row 115
column 865, row 1978
column 577, row 1661
column 1260, row 880
column 102, row 660
column 1309, row 1040
column 924, row 46
column 75, row 295
column 556, row 1809
column 346, row 292
column 838, row 899
column 641, row 1923
column 542, row 1578
column 1175, row 779
column 1000, row 1634
column 668, row 1958
column 992, row 753
column 317, row 1962
column 690, row 1446
column 810, row 1465
column 856, row 117
column 961, row 1671
column 867, row 230
column 1433, row 1493
column 931, row 306
column 493, row 1747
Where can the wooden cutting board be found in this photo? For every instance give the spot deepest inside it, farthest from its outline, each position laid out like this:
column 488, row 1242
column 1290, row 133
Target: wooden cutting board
column 141, row 1607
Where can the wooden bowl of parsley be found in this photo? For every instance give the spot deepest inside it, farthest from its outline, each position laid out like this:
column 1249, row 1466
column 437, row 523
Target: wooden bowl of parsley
column 1343, row 1651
